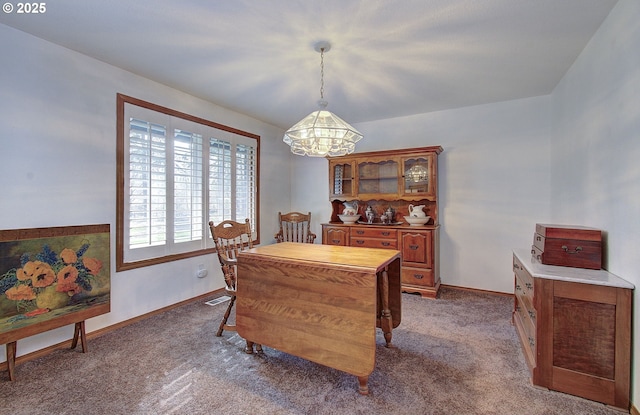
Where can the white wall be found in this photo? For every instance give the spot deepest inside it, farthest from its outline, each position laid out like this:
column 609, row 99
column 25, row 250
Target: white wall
column 58, row 164
column 595, row 156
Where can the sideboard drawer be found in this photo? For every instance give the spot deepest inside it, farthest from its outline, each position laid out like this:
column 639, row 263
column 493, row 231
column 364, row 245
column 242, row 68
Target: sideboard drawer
column 363, row 232
column 374, row 243
column 524, row 281
column 418, row 276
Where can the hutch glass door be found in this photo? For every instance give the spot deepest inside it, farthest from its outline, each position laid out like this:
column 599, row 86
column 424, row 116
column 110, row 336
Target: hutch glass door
column 342, row 179
column 378, row 177
column 418, row 177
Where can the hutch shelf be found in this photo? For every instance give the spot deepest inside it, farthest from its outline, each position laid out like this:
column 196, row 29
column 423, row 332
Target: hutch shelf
column 396, row 180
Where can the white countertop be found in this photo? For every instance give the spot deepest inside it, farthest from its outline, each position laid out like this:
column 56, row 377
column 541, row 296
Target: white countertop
column 580, row 275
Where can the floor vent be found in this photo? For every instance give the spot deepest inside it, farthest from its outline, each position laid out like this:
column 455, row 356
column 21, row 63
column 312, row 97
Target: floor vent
column 218, row 300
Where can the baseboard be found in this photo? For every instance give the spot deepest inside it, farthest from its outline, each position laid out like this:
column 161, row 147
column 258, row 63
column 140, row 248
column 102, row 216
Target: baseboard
column 634, row 411
column 67, row 344
column 476, row 290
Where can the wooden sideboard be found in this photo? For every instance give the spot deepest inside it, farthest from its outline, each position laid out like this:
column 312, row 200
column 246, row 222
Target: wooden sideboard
column 417, row 245
column 574, row 326
column 382, row 180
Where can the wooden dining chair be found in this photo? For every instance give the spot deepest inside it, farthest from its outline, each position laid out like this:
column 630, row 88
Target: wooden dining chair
column 231, row 237
column 295, row 227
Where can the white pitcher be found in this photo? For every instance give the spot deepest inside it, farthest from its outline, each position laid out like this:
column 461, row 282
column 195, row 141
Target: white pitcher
column 416, row 211
column 350, row 208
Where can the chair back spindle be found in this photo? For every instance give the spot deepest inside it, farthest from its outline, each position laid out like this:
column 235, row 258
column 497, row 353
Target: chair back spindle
column 295, row 227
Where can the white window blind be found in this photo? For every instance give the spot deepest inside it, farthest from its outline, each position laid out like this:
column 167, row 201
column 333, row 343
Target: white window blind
column 180, row 174
column 147, row 184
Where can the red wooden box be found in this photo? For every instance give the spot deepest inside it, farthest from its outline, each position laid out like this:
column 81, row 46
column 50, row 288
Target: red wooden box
column 568, row 246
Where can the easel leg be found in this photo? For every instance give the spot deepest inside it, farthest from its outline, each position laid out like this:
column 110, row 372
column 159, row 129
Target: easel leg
column 80, row 332
column 11, row 359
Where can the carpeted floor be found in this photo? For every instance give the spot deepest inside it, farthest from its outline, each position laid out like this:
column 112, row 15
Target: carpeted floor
column 455, row 355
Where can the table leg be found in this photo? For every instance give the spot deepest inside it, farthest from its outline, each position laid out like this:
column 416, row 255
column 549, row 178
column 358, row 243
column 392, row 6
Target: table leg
column 364, row 388
column 11, row 359
column 386, row 322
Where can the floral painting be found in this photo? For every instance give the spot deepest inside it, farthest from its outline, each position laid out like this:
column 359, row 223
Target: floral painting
column 46, row 277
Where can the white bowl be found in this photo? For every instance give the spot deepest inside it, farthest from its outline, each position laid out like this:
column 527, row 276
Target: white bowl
column 417, row 221
column 349, row 218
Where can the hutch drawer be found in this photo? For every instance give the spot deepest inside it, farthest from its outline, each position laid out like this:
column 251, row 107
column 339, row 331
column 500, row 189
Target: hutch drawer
column 374, row 242
column 423, row 277
column 365, row 232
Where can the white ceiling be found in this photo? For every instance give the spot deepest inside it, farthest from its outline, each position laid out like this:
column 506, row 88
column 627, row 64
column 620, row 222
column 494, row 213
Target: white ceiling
column 387, row 58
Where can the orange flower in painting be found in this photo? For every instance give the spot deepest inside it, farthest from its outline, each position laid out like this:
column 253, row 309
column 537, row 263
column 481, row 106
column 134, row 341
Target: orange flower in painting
column 20, row 292
column 93, row 265
column 37, row 312
column 68, row 256
column 67, row 280
column 40, row 273
column 22, row 275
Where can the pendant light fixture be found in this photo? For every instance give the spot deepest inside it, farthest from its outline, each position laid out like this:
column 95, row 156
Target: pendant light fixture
column 322, row 133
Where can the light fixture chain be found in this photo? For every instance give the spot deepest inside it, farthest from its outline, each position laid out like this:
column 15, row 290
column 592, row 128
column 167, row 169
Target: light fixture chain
column 322, row 73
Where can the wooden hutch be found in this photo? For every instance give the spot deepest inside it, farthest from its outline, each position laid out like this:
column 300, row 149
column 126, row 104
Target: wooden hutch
column 390, row 179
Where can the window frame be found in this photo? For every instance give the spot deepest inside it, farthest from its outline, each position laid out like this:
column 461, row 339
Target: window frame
column 121, row 134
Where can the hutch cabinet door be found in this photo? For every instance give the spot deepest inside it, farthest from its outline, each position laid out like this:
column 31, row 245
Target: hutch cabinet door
column 419, row 175
column 335, row 235
column 417, row 247
column 342, row 182
column 377, row 177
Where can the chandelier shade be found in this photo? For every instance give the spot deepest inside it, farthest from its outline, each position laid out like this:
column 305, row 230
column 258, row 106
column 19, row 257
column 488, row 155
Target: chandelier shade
column 322, row 133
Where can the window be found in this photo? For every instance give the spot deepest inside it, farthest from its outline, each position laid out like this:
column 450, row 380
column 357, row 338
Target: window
column 177, row 172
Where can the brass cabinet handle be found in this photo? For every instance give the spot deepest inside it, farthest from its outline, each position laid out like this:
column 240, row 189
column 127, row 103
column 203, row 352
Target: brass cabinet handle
column 538, row 238
column 518, row 288
column 360, row 232
column 359, row 241
column 531, row 342
column 528, row 285
column 335, row 241
column 532, row 314
column 386, row 233
column 418, row 276
column 576, row 251
column 413, row 247
column 386, row 243
column 516, row 266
